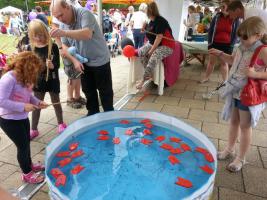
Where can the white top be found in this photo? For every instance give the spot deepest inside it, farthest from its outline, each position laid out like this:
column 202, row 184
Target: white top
column 250, row 12
column 127, row 20
column 74, row 3
column 117, row 18
column 138, row 19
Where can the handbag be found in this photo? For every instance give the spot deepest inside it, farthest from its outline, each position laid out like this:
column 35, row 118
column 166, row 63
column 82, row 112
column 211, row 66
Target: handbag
column 255, row 91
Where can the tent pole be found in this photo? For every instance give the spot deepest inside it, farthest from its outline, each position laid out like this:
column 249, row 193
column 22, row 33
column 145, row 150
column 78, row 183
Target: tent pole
column 99, row 13
column 27, row 7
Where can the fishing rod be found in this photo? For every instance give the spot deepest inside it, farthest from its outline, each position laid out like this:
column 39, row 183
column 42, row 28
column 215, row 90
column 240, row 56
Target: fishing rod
column 51, row 104
column 196, row 48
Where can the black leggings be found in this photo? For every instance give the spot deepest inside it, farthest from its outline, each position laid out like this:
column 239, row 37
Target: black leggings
column 19, row 132
column 58, row 109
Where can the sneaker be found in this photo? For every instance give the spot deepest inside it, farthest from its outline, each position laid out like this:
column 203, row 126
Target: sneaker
column 81, row 100
column 33, row 134
column 61, row 128
column 69, row 102
column 76, row 105
column 32, row 178
column 37, row 167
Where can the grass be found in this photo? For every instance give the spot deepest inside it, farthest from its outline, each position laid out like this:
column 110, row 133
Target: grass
column 8, row 43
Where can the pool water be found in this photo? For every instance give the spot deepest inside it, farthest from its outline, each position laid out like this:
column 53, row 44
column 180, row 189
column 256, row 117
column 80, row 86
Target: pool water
column 130, row 170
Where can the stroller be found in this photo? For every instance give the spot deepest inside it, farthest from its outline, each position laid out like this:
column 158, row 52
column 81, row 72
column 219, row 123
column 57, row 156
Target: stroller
column 113, row 40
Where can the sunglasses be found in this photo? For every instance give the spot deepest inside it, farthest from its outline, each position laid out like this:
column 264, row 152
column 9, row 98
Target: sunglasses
column 242, row 36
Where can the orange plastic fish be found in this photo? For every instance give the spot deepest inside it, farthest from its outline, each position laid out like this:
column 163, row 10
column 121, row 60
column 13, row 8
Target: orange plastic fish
column 129, row 132
column 160, row 138
column 166, row 147
column 173, row 160
column 64, row 162
column 209, row 157
column 77, row 154
column 103, row 137
column 103, row 132
column 146, row 121
column 61, row 180
column 56, row 172
column 77, row 169
column 125, row 121
column 185, row 147
column 73, row 146
column 176, row 151
column 147, row 132
column 146, row 141
column 175, row 139
column 184, row 182
column 63, row 154
column 201, row 150
column 116, row 140
column 148, row 125
column 207, row 169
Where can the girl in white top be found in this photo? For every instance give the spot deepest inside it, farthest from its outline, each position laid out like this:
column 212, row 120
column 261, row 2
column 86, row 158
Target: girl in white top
column 243, row 118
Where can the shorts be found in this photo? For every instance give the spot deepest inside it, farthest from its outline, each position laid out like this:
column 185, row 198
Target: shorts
column 70, row 71
column 240, row 106
column 226, row 48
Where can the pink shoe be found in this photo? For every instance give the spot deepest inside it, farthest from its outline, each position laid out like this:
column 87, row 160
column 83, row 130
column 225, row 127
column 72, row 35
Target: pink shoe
column 32, row 178
column 33, row 134
column 37, row 167
column 61, row 128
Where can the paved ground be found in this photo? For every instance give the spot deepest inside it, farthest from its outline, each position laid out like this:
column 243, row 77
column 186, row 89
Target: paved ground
column 184, row 101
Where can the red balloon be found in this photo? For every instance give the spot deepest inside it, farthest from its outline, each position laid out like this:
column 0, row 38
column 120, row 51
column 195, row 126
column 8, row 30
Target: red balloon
column 128, row 51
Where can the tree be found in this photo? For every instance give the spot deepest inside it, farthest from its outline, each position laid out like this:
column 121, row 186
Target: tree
column 17, row 3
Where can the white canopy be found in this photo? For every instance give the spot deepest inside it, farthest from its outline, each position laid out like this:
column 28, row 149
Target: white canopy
column 11, row 9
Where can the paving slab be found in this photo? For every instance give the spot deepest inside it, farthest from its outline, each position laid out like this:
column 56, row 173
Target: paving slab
column 191, row 103
column 41, row 196
column 215, row 193
column 227, row 179
column 196, row 124
column 228, row 194
column 263, row 154
column 203, row 115
column 259, row 138
column 215, row 130
column 179, row 112
column 4, row 141
column 150, row 107
column 6, row 170
column 167, row 100
column 196, row 88
column 255, row 180
column 214, row 106
column 183, row 93
column 12, row 182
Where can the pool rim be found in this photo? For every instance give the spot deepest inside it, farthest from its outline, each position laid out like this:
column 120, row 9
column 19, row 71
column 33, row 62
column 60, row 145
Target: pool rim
column 74, row 127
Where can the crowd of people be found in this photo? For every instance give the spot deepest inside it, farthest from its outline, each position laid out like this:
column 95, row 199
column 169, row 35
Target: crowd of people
column 75, row 35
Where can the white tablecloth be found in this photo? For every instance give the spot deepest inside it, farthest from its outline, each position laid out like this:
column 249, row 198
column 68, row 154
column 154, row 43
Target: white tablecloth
column 192, row 46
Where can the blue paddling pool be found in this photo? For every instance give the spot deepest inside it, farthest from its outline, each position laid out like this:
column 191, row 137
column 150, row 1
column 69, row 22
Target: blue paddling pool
column 133, row 155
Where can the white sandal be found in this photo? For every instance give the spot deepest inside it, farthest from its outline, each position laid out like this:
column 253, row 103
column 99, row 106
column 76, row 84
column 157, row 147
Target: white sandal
column 225, row 154
column 234, row 166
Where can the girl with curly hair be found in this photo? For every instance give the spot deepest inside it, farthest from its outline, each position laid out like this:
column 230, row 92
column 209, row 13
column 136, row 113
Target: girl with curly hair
column 48, row 80
column 16, row 101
